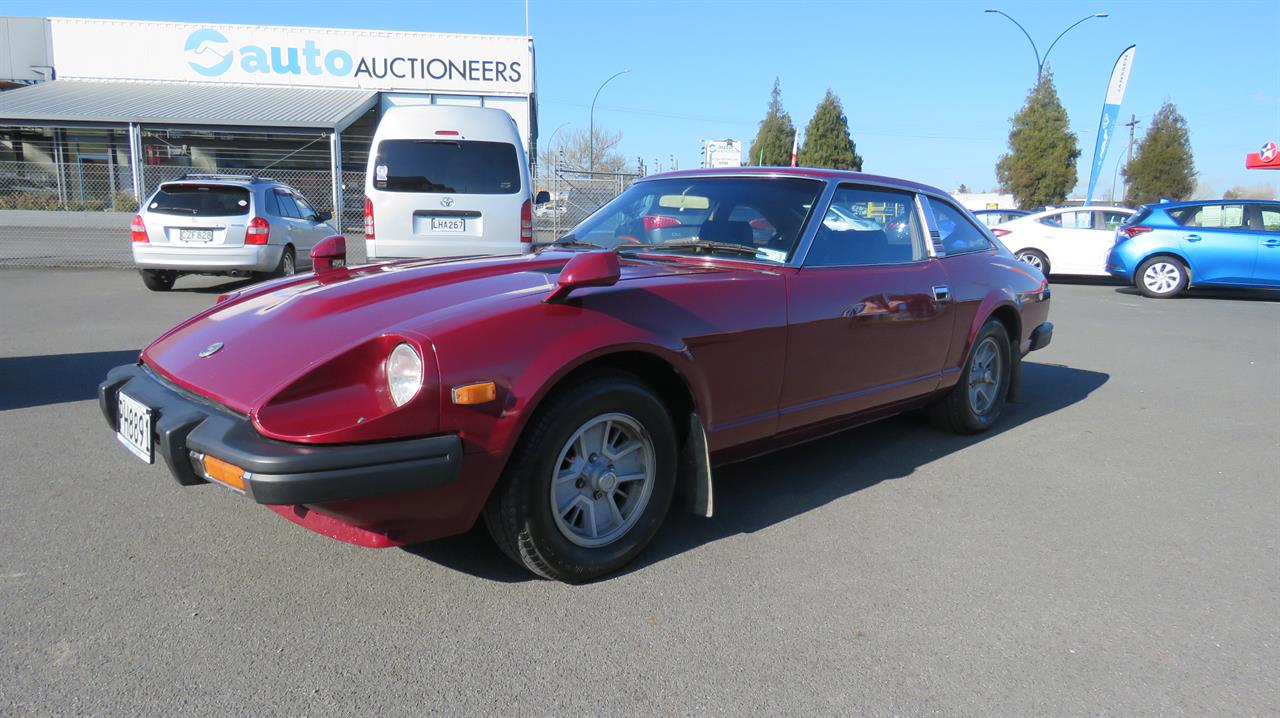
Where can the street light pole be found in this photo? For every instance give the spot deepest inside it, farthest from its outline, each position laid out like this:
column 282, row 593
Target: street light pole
column 591, row 131
column 1040, row 61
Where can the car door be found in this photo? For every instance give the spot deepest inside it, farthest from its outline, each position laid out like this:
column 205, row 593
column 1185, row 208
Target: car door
column 1217, row 242
column 1267, row 224
column 869, row 321
column 1072, row 240
column 311, row 227
column 290, row 220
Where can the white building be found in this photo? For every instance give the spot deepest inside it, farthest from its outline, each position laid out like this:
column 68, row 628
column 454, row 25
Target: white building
column 118, row 106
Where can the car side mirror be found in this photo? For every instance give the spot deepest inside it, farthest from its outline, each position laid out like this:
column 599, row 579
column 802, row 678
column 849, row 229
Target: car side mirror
column 589, row 269
column 329, row 254
column 323, row 216
column 542, row 197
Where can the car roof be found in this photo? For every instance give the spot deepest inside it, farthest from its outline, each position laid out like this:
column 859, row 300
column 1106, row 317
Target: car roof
column 1200, row 202
column 802, row 172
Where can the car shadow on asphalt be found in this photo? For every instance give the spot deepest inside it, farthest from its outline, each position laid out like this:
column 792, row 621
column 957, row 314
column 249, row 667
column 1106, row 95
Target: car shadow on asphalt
column 220, row 288
column 755, row 494
column 1239, row 295
column 27, row 382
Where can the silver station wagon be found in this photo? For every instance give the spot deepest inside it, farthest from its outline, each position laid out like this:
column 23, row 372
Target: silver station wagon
column 224, row 224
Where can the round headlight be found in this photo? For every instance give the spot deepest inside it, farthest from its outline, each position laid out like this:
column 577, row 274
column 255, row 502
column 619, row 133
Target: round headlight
column 404, row 373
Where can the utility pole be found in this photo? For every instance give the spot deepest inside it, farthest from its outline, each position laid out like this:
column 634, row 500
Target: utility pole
column 1132, row 124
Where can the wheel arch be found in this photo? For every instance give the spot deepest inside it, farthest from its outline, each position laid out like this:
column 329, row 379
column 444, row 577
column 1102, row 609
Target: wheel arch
column 674, row 389
column 1172, row 254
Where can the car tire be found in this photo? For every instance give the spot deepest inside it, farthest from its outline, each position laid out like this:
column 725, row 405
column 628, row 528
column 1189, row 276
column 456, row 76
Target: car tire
column 158, row 280
column 551, row 510
column 288, row 265
column 975, row 402
column 1035, row 258
column 1161, row 277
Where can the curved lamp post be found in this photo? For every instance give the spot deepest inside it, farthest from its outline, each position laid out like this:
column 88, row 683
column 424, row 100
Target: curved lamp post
column 1040, row 61
column 591, row 131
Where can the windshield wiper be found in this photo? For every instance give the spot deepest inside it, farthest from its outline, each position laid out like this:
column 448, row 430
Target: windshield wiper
column 697, row 245
column 571, row 241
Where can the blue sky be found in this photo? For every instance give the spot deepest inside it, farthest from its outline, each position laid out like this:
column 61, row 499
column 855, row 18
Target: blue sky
column 928, row 87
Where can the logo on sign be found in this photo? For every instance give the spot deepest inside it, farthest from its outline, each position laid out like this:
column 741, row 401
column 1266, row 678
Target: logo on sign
column 208, row 52
column 1268, row 152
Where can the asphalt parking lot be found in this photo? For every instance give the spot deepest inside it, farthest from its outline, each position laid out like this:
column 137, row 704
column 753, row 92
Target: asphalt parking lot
column 1112, row 548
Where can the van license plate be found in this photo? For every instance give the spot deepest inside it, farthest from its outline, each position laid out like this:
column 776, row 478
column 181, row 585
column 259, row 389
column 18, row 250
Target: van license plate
column 195, row 235
column 134, row 429
column 448, row 224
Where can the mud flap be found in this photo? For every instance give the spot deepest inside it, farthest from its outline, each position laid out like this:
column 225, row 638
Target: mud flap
column 693, row 491
column 1015, row 375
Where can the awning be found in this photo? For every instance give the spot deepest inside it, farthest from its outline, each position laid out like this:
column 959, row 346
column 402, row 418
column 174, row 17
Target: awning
column 180, row 103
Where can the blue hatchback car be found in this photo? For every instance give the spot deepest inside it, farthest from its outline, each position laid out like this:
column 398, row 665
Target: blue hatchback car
column 1167, row 247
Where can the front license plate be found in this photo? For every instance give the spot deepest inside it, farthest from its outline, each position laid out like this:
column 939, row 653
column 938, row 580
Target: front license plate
column 446, row 224
column 195, row 235
column 134, row 427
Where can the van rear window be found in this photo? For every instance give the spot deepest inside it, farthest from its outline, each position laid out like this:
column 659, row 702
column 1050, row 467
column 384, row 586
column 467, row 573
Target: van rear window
column 200, row 200
column 446, row 166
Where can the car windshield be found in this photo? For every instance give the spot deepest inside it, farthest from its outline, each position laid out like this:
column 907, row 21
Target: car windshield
column 200, row 200
column 446, row 166
column 738, row 216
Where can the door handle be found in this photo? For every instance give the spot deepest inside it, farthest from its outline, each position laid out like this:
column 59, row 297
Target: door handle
column 941, row 293
column 1271, row 243
column 1193, row 238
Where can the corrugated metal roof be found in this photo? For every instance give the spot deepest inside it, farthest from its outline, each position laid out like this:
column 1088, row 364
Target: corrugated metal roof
column 178, row 103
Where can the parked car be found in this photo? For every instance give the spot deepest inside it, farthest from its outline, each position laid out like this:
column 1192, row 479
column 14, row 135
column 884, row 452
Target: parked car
column 444, row 181
column 223, row 224
column 992, row 217
column 419, row 397
column 1166, row 248
column 1065, row 240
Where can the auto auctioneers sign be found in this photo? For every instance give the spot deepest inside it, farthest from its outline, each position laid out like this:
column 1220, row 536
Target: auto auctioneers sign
column 299, row 57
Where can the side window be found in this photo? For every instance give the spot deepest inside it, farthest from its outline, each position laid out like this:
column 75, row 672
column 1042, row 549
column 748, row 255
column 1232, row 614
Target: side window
column 287, row 207
column 866, row 226
column 1053, row 220
column 1077, row 220
column 1270, row 217
column 273, row 204
column 1110, row 220
column 304, row 209
column 1211, row 216
column 958, row 234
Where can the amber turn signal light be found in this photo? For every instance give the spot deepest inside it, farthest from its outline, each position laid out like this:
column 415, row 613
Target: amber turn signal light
column 475, row 393
column 224, row 472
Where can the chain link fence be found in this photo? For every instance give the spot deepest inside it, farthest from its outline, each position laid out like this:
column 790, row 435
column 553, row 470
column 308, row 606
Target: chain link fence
column 77, row 214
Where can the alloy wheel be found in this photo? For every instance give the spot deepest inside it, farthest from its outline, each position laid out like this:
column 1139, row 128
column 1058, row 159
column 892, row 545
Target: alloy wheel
column 984, row 376
column 602, row 480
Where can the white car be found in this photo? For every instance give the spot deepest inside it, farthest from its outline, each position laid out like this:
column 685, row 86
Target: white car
column 1067, row 240
column 444, row 181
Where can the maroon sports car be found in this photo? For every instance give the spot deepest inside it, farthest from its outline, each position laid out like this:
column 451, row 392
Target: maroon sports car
column 570, row 396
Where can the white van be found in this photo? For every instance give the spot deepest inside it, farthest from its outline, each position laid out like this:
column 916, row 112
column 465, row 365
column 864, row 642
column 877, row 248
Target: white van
column 445, row 181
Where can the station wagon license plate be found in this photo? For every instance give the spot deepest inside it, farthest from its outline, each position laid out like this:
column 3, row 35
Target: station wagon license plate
column 448, row 224
column 134, row 427
column 195, row 235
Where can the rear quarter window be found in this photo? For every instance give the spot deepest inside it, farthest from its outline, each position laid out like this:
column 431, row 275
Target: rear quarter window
column 446, row 167
column 196, row 200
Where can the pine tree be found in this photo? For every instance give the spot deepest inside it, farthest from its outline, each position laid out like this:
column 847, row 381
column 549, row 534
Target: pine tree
column 1162, row 165
column 1040, row 168
column 772, row 146
column 826, row 139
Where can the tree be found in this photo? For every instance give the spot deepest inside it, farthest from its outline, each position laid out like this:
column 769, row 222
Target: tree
column 963, row 189
column 577, row 150
column 772, row 146
column 1257, row 191
column 826, row 140
column 1040, row 168
column 1162, row 165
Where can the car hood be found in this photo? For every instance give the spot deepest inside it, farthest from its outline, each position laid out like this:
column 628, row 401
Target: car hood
column 244, row 350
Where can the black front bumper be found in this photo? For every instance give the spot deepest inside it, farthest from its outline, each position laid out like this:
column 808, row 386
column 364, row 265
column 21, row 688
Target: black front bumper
column 277, row 472
column 1041, row 336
